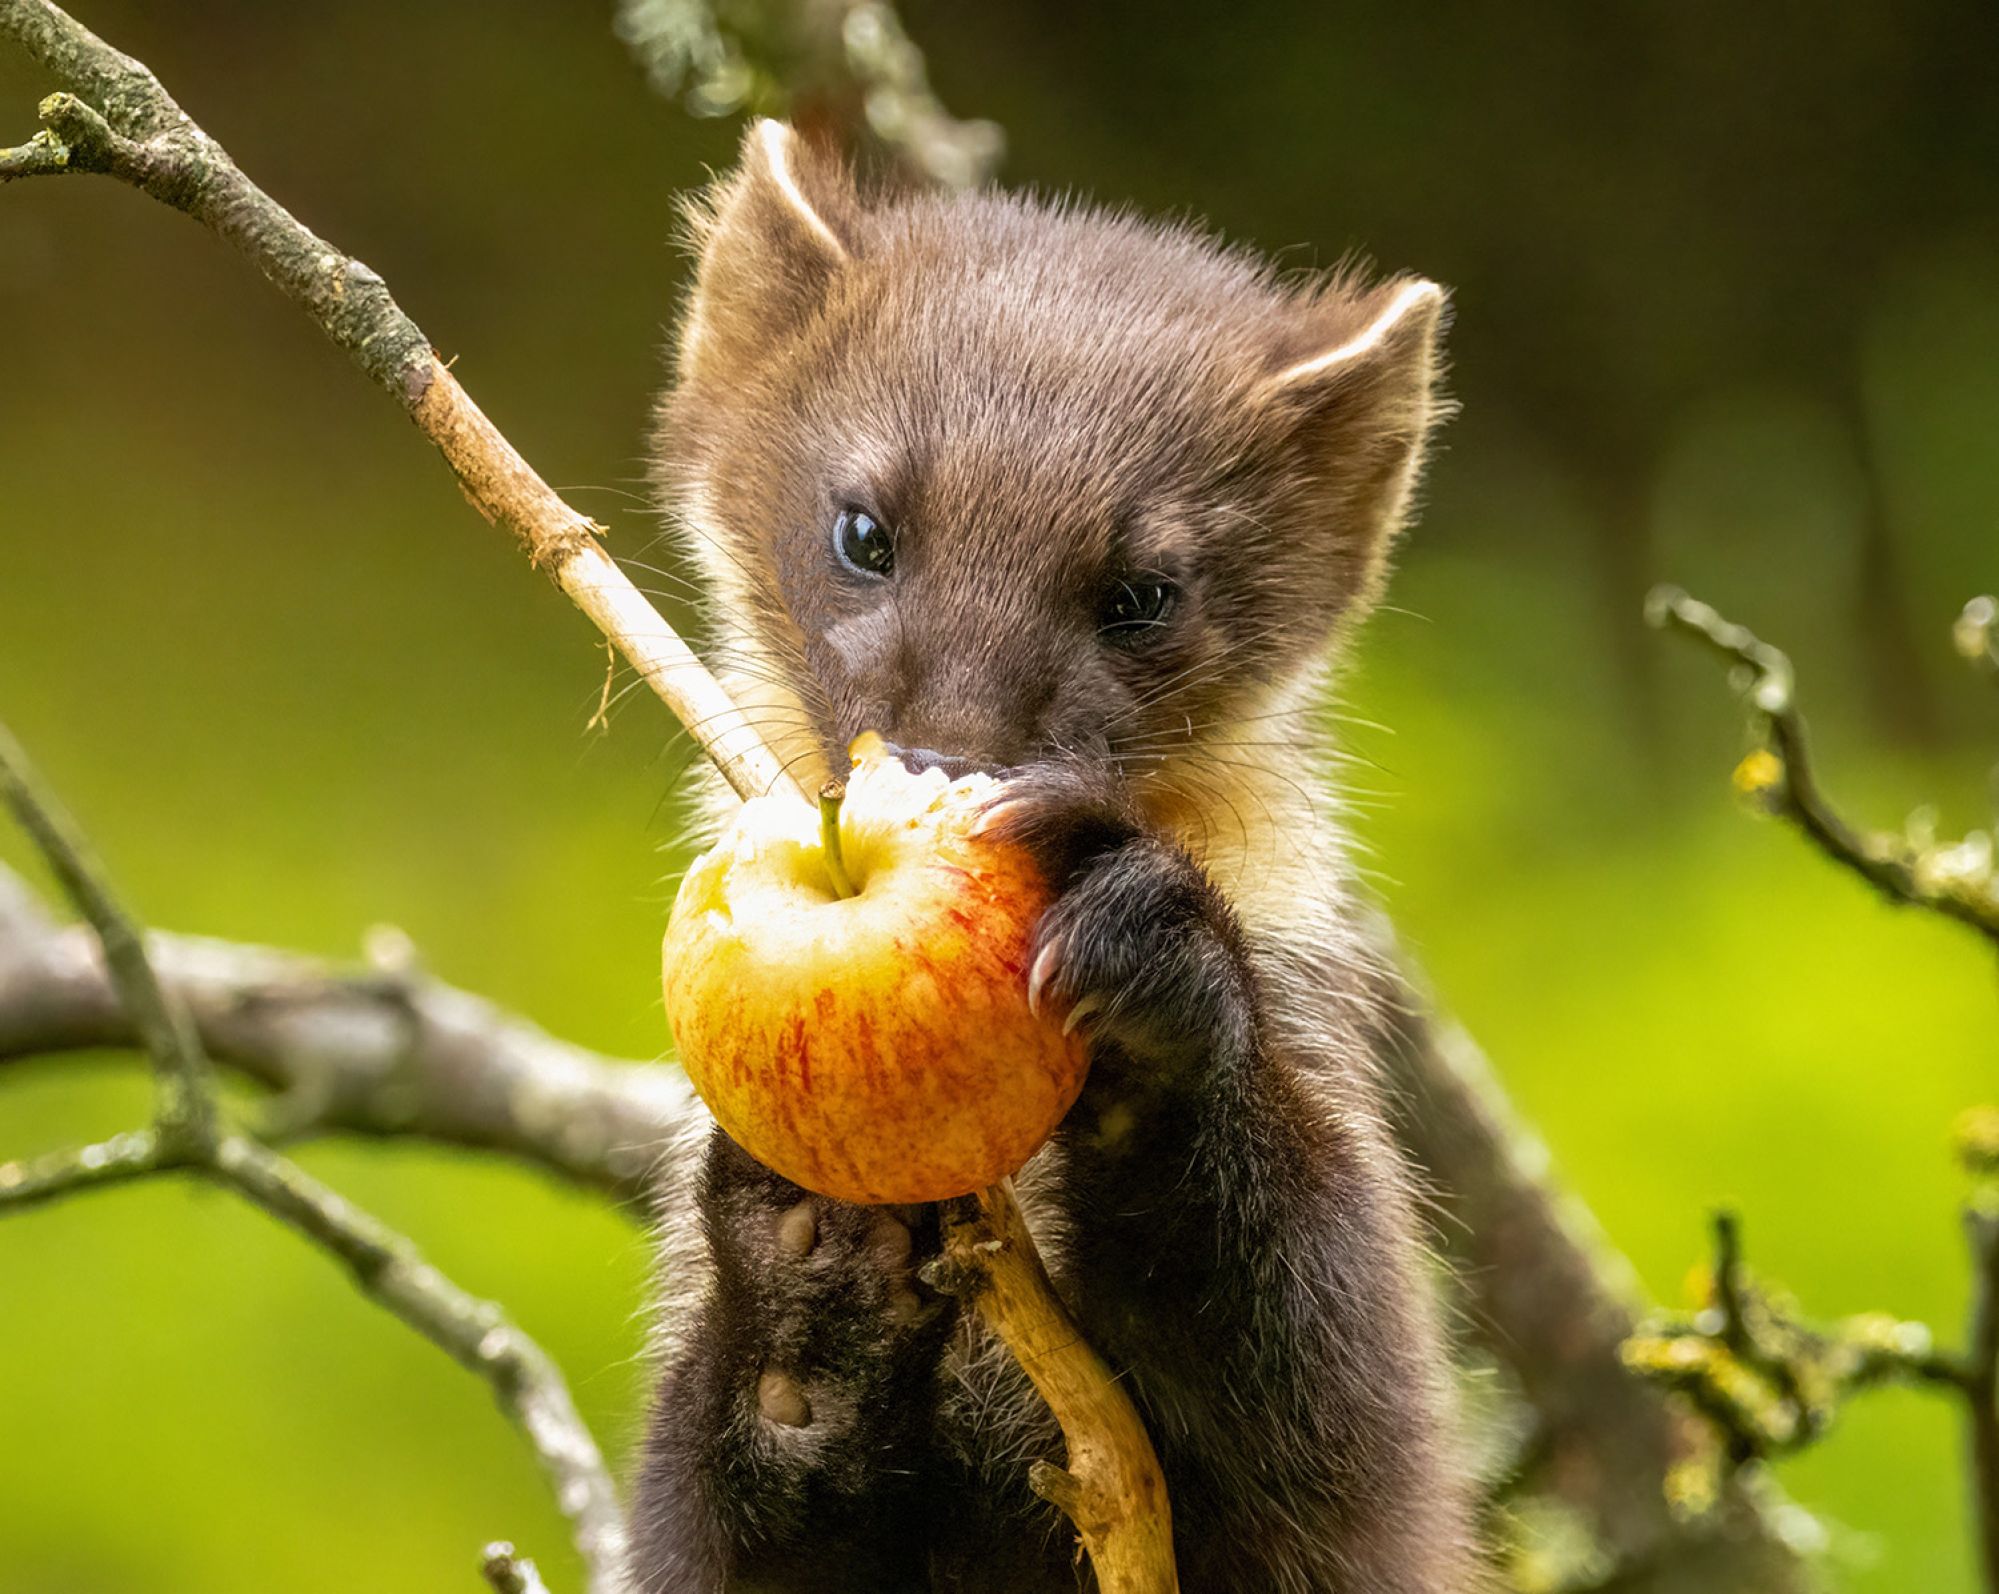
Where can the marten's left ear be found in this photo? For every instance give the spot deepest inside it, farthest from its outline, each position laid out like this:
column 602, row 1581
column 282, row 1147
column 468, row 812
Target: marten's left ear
column 1353, row 394
column 773, row 237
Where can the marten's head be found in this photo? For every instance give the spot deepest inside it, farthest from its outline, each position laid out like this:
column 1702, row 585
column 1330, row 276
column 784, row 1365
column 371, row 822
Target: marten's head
column 1006, row 479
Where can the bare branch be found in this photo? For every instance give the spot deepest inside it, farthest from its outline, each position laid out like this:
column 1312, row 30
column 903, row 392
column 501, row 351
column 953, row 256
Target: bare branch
column 1112, row 1490
column 1958, row 882
column 118, row 1160
column 186, row 1117
column 44, row 155
column 1978, row 1148
column 475, row 1333
column 353, row 1049
column 132, row 130
column 1771, row 1383
column 386, row 1266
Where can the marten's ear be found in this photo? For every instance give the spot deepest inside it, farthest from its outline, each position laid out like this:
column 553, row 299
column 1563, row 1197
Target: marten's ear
column 772, row 236
column 1353, row 392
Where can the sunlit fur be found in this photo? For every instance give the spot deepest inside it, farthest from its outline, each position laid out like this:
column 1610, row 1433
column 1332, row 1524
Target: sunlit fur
column 1034, row 395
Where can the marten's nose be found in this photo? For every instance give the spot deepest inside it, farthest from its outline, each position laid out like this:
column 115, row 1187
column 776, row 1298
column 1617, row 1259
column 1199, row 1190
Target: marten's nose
column 918, row 759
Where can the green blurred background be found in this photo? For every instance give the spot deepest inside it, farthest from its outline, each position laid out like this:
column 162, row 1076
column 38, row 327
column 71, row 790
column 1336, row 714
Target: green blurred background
column 1727, row 312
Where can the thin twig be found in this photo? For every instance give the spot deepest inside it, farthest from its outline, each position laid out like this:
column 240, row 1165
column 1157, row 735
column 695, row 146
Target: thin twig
column 386, row 1266
column 122, row 1158
column 1771, row 1383
column 44, row 155
column 850, row 63
column 1958, row 882
column 184, row 1111
column 1728, row 1284
column 476, row 1333
column 118, row 120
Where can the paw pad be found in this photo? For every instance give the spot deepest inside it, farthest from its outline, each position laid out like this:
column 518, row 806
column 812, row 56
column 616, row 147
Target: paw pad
column 889, row 1241
column 781, row 1400
column 798, row 1230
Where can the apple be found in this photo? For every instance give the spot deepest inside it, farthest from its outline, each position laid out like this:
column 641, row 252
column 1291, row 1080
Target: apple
column 876, row 1046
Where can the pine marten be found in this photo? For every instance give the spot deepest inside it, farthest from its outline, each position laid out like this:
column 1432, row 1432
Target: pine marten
column 1027, row 486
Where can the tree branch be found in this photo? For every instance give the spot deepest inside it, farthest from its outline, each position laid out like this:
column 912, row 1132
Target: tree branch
column 1978, row 1148
column 1112, row 1489
column 143, row 138
column 44, row 155
column 118, row 1160
column 386, row 1266
column 356, row 1050
column 186, row 1118
column 1771, row 1383
column 475, row 1333
column 1958, row 882
column 845, row 69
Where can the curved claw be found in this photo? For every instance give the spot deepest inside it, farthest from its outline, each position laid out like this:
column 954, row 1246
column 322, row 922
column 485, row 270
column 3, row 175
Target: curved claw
column 1042, row 971
column 995, row 814
column 1084, row 1009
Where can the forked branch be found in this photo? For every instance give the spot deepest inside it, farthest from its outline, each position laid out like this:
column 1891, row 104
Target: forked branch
column 1959, row 882
column 1112, row 1489
column 188, row 1134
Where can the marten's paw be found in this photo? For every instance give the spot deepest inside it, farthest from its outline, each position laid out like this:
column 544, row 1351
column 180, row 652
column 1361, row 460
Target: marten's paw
column 825, row 1294
column 1139, row 950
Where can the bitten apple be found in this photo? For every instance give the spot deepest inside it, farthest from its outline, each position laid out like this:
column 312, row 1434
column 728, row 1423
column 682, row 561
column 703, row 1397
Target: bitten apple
column 876, row 1047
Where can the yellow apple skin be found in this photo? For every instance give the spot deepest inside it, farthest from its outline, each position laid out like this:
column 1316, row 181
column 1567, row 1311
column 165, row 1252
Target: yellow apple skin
column 875, row 1048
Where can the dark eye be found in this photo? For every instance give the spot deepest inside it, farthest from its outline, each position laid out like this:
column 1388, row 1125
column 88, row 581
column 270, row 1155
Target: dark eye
column 863, row 543
column 1135, row 611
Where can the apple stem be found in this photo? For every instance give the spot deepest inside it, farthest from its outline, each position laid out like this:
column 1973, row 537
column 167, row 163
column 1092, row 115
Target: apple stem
column 831, row 795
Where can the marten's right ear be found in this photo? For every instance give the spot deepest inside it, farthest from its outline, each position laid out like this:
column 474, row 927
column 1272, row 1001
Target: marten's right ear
column 772, row 237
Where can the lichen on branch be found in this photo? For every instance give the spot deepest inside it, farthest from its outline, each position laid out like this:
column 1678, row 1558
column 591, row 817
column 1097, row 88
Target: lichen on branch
column 1770, row 1383
column 1959, row 881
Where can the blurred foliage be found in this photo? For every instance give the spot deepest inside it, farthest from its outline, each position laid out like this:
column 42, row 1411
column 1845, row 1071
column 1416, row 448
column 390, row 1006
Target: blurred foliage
column 838, row 68
column 1727, row 312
